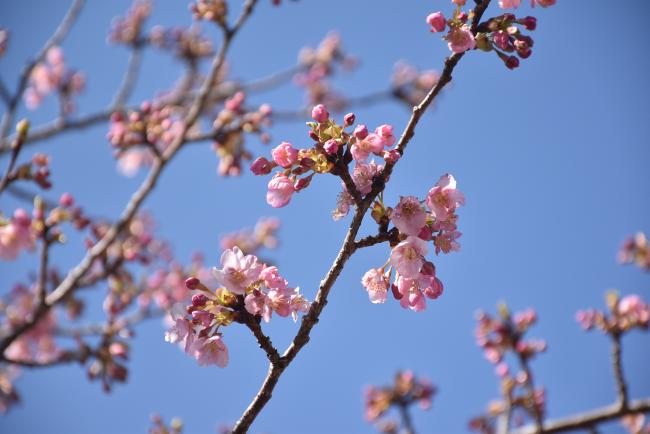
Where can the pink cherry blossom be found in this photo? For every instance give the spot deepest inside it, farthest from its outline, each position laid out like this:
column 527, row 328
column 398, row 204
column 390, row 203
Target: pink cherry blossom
column 211, row 351
column 444, row 198
column 437, row 22
column 181, row 330
column 272, row 278
column 634, row 310
column 446, row 242
column 412, row 298
column 238, row 271
column 542, row 3
column 285, row 155
column 460, row 39
column 280, row 190
column 409, row 216
column 16, row 235
column 430, row 286
column 407, row 256
column 376, row 283
column 508, row 4
column 257, row 303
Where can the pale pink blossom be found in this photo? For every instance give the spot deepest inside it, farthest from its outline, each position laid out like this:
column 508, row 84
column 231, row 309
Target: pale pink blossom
column 132, row 160
column 634, row 310
column 542, row 3
column 446, row 242
column 444, row 198
column 376, row 283
column 285, row 155
column 343, row 203
column 211, row 351
column 258, row 303
column 181, row 330
column 272, row 278
column 411, row 298
column 16, row 235
column 280, row 190
column 409, row 216
column 437, row 22
column 408, row 256
column 509, row 4
column 238, row 271
column 460, row 39
column 363, row 174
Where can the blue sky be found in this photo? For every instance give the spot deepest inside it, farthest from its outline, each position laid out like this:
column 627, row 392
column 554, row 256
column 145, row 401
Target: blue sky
column 552, row 159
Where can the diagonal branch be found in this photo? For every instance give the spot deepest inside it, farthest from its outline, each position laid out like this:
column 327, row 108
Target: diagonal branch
column 347, row 249
column 588, row 419
column 76, row 274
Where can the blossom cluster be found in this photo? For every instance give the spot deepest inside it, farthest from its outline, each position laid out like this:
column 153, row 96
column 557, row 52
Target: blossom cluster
column 416, row 224
column 210, row 10
column 501, row 34
column 410, row 84
column 499, row 336
column 334, row 148
column 16, row 235
column 320, row 63
column 51, row 76
column 249, row 240
column 128, row 30
column 232, row 122
column 249, row 288
column 625, row 313
column 187, row 44
column 36, row 170
column 160, row 427
column 636, row 250
column 139, row 135
column 404, row 392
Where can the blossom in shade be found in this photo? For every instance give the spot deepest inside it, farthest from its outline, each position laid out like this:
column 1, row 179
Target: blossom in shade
column 211, row 351
column 444, row 198
column 460, row 39
column 181, row 330
column 376, row 283
column 16, row 235
column 411, row 297
column 409, row 216
column 446, row 242
column 238, row 271
column 408, row 256
column 437, row 22
column 280, row 190
column 285, row 155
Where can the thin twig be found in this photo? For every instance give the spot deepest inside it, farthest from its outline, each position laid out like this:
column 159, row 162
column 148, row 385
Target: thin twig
column 588, row 419
column 530, row 390
column 60, row 33
column 347, row 249
column 76, row 274
column 381, row 237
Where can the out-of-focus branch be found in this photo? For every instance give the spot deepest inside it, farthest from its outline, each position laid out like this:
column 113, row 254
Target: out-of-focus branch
column 589, row 419
column 80, row 356
column 76, row 274
column 530, row 389
column 60, row 33
column 621, row 386
column 347, row 249
column 405, row 415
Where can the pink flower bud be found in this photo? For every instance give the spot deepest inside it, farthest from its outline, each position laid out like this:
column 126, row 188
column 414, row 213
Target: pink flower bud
column 391, row 156
column 349, row 119
column 285, row 155
column 192, row 282
column 261, row 166
column 361, row 132
column 199, row 300
column 529, row 23
column 319, row 113
column 66, row 200
column 437, row 22
column 331, row 147
column 512, row 62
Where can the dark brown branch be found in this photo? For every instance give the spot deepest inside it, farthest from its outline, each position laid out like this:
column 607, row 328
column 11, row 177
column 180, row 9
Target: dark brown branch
column 76, row 274
column 588, row 419
column 381, row 237
column 347, row 249
column 405, row 415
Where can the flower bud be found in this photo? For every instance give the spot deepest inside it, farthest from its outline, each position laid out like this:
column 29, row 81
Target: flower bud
column 66, row 200
column 360, row 132
column 530, row 23
column 349, row 119
column 437, row 22
column 331, row 147
column 192, row 282
column 199, row 300
column 261, row 166
column 319, row 113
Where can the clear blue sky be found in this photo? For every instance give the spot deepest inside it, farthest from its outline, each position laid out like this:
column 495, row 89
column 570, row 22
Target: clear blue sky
column 553, row 159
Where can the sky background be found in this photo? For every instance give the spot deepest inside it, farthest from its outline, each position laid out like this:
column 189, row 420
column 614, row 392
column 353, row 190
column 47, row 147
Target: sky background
column 552, row 158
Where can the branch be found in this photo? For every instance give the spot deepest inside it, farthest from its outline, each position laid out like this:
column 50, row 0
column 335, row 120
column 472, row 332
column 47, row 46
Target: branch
column 407, row 422
column 381, row 237
column 265, row 343
column 58, row 36
column 621, row 386
column 130, row 77
column 80, row 356
column 76, row 274
column 530, row 388
column 347, row 249
column 588, row 419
